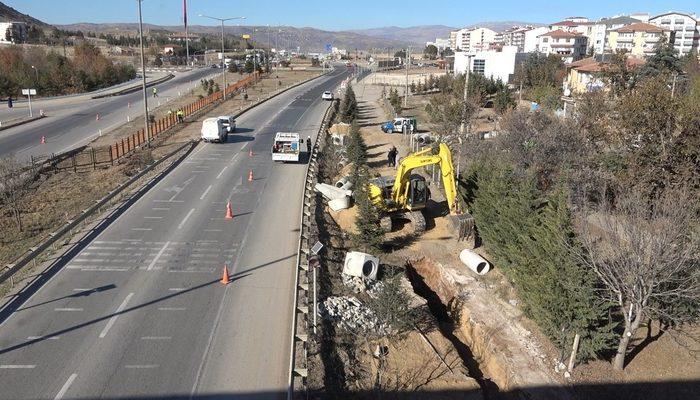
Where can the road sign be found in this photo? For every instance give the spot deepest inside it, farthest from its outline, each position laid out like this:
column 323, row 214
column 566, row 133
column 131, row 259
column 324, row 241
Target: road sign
column 246, row 37
column 28, row 92
column 329, row 48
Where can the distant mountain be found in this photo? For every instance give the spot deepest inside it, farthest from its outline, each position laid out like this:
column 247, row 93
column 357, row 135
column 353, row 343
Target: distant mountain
column 310, row 39
column 9, row 14
column 418, row 35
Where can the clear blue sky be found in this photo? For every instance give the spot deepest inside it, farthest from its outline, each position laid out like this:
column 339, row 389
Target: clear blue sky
column 340, row 15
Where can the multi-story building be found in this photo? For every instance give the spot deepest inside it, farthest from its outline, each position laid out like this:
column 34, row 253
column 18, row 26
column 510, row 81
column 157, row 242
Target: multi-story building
column 601, row 31
column 638, row 39
column 683, row 30
column 475, row 39
column 571, row 46
column 441, row 44
column 13, row 32
column 585, row 75
column 453, row 39
column 495, row 64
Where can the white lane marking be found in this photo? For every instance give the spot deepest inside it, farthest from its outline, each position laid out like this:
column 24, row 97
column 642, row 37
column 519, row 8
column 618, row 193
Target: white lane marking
column 160, row 208
column 43, row 337
column 105, row 242
column 152, row 217
column 185, row 219
column 213, row 230
column 17, row 366
column 176, row 289
column 156, row 337
column 141, row 229
column 141, row 366
column 155, row 260
column 172, row 308
column 114, row 317
column 168, row 201
column 234, row 157
column 205, row 193
column 196, row 152
column 68, row 309
column 222, row 172
column 65, row 387
column 245, row 145
column 133, row 240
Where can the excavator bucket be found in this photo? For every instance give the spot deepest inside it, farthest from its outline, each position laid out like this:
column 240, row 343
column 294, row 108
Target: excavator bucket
column 463, row 228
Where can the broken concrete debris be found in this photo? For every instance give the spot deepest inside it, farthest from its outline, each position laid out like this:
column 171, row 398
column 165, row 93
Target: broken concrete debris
column 351, row 315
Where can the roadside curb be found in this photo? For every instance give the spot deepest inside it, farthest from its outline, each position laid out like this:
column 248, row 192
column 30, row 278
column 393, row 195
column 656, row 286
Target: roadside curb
column 26, row 121
column 135, row 88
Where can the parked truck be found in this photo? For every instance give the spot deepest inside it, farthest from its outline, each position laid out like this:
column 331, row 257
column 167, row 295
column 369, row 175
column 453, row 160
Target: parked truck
column 286, row 147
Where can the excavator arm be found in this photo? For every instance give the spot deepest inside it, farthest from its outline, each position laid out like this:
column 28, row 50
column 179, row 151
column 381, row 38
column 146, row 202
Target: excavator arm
column 423, row 158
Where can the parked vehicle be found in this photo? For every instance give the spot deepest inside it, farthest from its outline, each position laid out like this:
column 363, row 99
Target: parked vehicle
column 327, row 95
column 213, row 130
column 286, row 147
column 229, row 123
column 397, row 125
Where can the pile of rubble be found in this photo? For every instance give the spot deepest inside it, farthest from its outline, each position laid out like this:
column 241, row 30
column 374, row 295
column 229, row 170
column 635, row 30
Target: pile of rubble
column 360, row 285
column 351, row 315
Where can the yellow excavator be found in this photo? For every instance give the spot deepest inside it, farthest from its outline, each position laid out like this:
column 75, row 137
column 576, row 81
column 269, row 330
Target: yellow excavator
column 406, row 194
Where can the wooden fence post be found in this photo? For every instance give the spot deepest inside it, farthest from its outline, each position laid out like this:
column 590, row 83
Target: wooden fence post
column 94, row 161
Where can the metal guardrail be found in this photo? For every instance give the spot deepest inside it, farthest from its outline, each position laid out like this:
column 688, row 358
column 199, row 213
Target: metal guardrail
column 34, row 252
column 300, row 327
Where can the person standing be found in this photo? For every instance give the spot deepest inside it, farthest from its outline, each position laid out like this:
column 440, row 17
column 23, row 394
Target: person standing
column 155, row 92
column 392, row 156
column 308, row 144
column 9, row 102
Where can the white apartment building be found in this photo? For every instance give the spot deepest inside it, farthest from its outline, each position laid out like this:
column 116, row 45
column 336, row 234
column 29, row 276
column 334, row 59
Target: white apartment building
column 496, row 64
column 13, row 32
column 523, row 37
column 571, row 46
column 441, row 44
column 476, row 39
column 453, row 39
column 683, row 28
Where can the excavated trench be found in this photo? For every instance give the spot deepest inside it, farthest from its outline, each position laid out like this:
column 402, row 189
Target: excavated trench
column 447, row 327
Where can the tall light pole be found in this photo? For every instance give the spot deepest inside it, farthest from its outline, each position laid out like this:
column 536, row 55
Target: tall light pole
column 223, row 56
column 143, row 78
column 36, row 71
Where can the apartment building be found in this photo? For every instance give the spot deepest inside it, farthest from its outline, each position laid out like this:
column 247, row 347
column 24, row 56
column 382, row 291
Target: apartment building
column 682, row 28
column 496, row 64
column 571, row 46
column 475, row 39
column 638, row 39
column 453, row 39
column 13, row 32
column 440, row 44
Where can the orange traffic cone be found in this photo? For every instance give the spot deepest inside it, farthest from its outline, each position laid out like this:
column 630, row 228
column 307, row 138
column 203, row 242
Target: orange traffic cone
column 224, row 276
column 97, row 117
column 229, row 213
column 43, row 140
column 250, row 176
column 250, row 153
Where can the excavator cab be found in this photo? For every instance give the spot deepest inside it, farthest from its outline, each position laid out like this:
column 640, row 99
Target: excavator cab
column 418, row 193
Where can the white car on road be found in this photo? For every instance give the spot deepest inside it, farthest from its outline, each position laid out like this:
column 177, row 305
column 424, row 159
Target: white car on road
column 327, row 95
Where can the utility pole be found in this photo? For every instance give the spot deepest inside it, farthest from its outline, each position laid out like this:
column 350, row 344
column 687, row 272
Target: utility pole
column 408, row 63
column 187, row 38
column 462, row 133
column 143, row 79
column 223, row 54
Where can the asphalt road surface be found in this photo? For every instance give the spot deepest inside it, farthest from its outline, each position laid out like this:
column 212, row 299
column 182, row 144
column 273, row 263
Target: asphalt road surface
column 71, row 121
column 139, row 312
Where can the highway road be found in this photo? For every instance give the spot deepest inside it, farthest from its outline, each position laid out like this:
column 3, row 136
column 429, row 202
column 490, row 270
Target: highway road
column 71, row 121
column 139, row 312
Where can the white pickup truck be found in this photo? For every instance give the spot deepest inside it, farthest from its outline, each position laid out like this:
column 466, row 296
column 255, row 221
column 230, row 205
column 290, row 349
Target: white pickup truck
column 287, row 147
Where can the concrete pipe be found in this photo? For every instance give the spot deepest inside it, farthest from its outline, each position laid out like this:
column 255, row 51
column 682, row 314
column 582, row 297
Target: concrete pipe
column 342, row 203
column 342, row 181
column 475, row 262
column 423, row 139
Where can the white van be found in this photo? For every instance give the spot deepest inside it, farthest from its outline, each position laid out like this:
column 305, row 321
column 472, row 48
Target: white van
column 287, row 147
column 213, row 130
column 229, row 123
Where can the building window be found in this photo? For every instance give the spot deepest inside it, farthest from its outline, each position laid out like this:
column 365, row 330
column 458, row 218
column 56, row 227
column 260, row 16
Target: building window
column 545, row 40
column 479, row 66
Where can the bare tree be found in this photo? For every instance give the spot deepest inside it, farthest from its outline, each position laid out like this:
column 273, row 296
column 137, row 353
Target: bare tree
column 645, row 253
column 15, row 183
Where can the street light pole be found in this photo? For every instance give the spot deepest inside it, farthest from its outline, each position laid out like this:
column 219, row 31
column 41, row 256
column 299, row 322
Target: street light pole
column 223, row 55
column 143, row 78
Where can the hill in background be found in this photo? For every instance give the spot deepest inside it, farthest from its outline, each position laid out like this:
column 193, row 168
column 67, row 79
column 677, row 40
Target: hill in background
column 9, row 14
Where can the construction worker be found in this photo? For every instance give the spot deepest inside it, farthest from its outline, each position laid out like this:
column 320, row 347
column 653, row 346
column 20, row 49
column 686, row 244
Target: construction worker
column 308, row 144
column 180, row 115
column 155, row 92
column 170, row 112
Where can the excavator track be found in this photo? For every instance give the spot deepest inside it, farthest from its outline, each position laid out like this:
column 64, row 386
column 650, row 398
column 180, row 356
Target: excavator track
column 417, row 221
